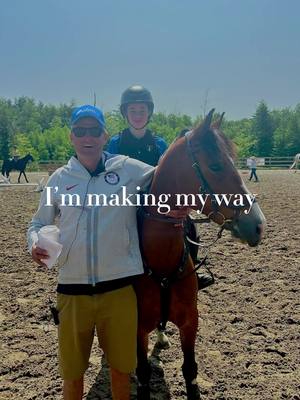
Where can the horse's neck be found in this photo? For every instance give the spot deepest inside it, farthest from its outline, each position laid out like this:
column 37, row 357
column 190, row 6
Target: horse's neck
column 162, row 245
column 165, row 177
column 160, row 188
column 164, row 185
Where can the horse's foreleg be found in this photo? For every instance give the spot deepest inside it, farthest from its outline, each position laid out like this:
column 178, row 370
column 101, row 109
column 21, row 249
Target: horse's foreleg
column 143, row 370
column 19, row 176
column 5, row 173
column 25, row 176
column 188, row 334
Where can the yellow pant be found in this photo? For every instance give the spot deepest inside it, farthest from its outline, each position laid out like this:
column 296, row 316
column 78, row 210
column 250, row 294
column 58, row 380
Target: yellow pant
column 113, row 314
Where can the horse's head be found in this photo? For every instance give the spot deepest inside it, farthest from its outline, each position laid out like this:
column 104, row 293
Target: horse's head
column 203, row 164
column 29, row 157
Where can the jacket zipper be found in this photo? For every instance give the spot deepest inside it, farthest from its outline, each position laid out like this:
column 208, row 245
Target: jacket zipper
column 91, row 239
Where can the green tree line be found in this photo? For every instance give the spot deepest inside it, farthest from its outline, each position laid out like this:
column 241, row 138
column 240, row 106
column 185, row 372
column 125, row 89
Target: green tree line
column 27, row 126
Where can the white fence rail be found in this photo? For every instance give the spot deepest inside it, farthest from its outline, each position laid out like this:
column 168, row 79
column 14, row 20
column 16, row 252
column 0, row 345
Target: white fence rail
column 262, row 162
column 268, row 162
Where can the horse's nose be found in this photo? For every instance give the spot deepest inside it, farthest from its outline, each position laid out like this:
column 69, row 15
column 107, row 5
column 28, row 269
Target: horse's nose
column 260, row 229
column 251, row 226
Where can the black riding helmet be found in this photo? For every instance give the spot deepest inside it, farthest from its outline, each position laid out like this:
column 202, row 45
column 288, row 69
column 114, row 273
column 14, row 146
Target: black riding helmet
column 136, row 94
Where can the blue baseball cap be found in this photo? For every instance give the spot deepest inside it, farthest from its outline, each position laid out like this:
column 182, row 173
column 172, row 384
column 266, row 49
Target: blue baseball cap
column 87, row 111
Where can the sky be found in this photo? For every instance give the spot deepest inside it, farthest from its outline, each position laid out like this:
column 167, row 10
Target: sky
column 192, row 55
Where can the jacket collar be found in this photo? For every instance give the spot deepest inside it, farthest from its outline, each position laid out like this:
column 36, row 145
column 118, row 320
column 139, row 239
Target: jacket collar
column 111, row 162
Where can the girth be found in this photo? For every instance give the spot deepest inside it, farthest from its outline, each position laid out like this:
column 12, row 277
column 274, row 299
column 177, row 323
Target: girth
column 165, row 283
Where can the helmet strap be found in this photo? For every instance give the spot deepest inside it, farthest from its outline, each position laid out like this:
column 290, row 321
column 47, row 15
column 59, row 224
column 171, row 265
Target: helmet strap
column 138, row 129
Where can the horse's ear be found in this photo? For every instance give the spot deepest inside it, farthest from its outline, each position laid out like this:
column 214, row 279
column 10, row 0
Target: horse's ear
column 208, row 119
column 205, row 125
column 218, row 123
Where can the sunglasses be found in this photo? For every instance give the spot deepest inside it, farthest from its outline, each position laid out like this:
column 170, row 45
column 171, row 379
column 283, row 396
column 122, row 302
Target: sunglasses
column 95, row 131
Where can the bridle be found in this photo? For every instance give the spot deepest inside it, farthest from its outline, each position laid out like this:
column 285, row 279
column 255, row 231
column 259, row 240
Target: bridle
column 205, row 189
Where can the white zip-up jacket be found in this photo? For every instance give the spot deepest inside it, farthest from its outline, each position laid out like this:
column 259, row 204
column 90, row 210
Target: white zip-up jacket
column 100, row 243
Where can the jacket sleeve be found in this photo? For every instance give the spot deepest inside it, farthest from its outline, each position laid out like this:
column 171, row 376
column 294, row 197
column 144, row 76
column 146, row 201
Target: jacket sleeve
column 140, row 172
column 113, row 145
column 162, row 145
column 46, row 213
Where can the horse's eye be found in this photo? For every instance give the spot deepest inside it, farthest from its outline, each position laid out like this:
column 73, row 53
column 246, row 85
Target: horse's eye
column 215, row 167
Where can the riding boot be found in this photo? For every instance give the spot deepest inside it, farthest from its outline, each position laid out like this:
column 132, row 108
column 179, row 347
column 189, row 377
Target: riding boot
column 205, row 279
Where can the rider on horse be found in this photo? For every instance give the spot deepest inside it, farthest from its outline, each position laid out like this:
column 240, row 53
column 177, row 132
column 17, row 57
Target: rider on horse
column 15, row 154
column 137, row 141
column 140, row 143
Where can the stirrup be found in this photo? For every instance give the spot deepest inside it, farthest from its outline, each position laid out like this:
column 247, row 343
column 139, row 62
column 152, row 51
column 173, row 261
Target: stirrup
column 205, row 279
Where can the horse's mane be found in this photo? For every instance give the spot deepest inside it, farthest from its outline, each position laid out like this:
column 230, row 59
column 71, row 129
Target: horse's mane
column 225, row 143
column 182, row 133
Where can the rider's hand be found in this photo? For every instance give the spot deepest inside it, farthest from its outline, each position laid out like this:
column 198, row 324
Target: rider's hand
column 38, row 254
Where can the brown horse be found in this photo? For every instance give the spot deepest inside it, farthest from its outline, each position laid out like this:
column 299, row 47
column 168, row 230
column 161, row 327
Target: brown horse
column 199, row 162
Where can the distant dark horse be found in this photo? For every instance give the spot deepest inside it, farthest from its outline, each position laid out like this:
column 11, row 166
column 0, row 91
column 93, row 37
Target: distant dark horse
column 18, row 165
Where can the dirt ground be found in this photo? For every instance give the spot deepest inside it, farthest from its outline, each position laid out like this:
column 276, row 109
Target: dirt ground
column 248, row 345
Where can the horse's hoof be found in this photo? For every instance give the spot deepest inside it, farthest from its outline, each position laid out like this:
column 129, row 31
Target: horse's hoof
column 143, row 392
column 163, row 344
column 162, row 341
column 193, row 392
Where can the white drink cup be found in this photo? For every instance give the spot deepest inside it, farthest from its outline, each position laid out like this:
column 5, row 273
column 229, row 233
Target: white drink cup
column 48, row 237
column 50, row 232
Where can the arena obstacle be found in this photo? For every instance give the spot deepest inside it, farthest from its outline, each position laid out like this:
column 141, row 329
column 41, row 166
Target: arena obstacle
column 4, row 182
column 40, row 185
